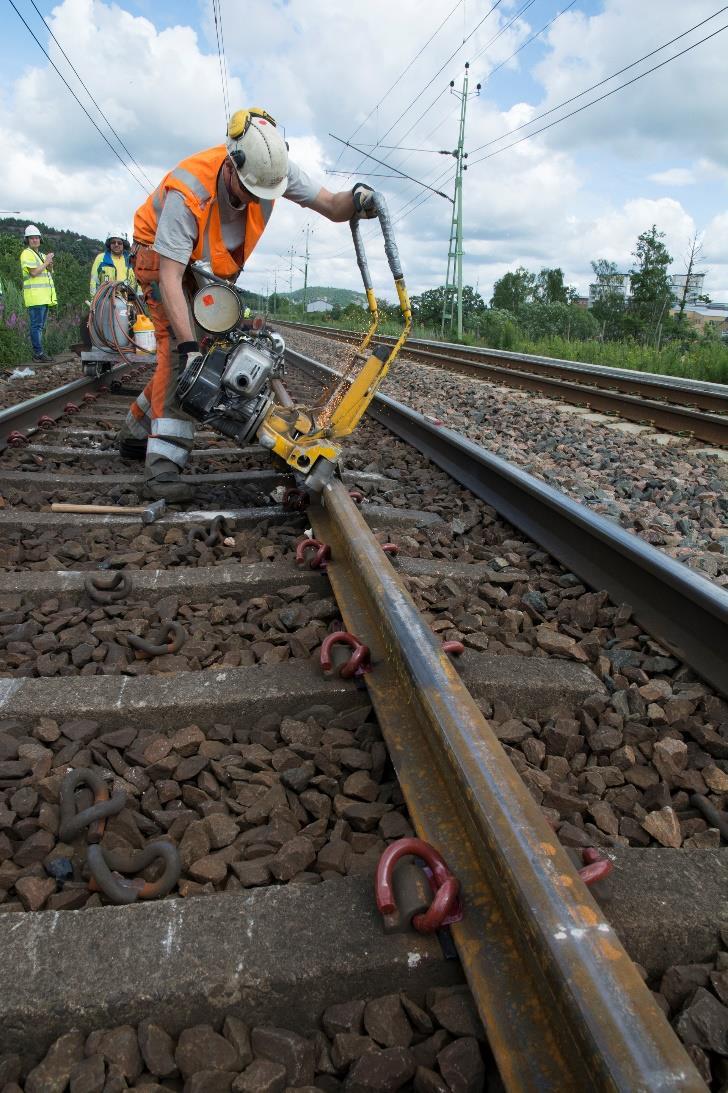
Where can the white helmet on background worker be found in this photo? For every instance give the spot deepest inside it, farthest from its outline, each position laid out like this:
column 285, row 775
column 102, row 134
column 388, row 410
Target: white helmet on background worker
column 116, row 235
column 259, row 153
column 31, row 230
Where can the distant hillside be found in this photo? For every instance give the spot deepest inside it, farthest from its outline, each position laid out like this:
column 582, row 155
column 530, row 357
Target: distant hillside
column 82, row 247
column 340, row 296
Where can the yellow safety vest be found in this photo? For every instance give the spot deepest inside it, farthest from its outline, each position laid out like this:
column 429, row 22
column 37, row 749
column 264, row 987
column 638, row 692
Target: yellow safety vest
column 111, row 267
column 36, row 290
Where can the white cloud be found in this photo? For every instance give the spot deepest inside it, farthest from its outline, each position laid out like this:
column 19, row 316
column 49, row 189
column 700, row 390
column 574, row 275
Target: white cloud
column 674, row 176
column 684, row 103
column 320, row 66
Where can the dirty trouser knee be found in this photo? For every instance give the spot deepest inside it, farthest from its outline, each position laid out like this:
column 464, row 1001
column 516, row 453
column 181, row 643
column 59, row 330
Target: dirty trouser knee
column 155, row 412
column 138, row 424
column 169, row 446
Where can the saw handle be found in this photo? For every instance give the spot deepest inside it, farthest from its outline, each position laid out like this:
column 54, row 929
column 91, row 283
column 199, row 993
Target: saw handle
column 392, row 252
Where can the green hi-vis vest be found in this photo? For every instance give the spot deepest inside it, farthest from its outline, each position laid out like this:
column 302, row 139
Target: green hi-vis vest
column 36, row 290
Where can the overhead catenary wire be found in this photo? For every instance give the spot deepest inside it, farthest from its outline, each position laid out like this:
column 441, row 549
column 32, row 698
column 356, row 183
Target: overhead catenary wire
column 606, row 79
column 224, row 55
column 429, row 83
column 221, row 61
column 383, row 164
column 533, row 37
column 418, row 199
column 402, row 74
column 503, row 29
column 600, row 98
column 103, row 136
column 93, row 100
column 528, row 41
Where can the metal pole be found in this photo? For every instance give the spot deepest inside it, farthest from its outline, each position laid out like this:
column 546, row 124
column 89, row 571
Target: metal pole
column 459, row 201
column 305, row 273
column 455, row 255
column 290, row 280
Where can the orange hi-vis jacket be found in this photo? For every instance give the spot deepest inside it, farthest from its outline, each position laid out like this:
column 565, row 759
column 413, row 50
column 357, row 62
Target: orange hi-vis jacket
column 196, row 179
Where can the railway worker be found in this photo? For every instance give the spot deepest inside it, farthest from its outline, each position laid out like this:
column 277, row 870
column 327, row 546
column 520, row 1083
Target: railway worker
column 112, row 264
column 39, row 291
column 212, row 207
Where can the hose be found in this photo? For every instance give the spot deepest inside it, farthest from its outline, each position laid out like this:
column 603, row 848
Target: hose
column 104, row 326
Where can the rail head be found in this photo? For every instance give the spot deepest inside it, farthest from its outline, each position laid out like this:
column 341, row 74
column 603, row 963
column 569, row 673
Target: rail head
column 563, row 1004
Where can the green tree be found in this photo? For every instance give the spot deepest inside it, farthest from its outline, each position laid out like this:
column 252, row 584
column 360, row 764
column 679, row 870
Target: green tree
column 513, row 290
column 649, row 308
column 473, row 306
column 609, row 303
column 550, row 287
column 559, row 319
column 427, row 307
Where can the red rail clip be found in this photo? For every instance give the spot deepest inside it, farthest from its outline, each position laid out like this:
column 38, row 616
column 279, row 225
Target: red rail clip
column 358, row 662
column 445, row 907
column 357, row 496
column 323, row 553
column 17, row 439
column 390, row 548
column 70, row 408
column 46, row 422
column 88, row 397
column 454, row 648
column 294, row 499
column 596, row 867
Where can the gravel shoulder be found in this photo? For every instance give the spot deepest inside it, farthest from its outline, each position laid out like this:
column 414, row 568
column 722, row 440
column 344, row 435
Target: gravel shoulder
column 667, row 489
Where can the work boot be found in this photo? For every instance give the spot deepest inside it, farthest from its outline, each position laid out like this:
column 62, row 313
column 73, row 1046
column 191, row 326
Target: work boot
column 131, row 448
column 42, row 358
column 169, row 486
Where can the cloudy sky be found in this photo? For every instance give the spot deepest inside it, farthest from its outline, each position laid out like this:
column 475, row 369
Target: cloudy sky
column 379, row 74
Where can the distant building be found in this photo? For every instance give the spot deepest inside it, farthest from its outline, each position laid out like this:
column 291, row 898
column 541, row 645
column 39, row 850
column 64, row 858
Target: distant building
column 694, row 283
column 319, row 305
column 611, row 284
column 704, row 315
column 581, row 301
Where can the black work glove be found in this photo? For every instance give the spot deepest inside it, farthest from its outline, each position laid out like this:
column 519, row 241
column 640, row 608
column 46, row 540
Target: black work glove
column 363, row 196
column 187, row 352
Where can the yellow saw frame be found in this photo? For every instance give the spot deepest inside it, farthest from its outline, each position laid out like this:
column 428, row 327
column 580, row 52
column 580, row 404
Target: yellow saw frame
column 306, row 437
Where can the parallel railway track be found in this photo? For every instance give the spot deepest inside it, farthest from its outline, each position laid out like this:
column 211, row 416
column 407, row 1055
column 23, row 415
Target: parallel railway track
column 562, row 1004
column 692, row 408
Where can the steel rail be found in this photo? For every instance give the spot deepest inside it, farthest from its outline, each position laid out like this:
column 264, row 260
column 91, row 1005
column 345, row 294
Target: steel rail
column 675, row 405
column 24, row 416
column 684, row 611
column 563, row 1005
column 715, row 394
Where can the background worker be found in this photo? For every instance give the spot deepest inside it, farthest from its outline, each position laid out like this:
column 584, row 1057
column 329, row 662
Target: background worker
column 112, row 264
column 213, row 207
column 39, row 292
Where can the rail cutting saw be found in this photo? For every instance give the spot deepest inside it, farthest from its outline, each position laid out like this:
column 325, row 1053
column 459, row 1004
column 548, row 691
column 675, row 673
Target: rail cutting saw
column 235, row 387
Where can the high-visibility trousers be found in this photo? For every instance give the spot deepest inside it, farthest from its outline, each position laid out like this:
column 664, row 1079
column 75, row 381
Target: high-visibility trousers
column 155, row 413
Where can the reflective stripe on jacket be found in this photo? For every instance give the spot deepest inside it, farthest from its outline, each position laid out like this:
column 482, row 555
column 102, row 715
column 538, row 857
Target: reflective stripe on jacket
column 105, row 268
column 196, row 179
column 36, row 290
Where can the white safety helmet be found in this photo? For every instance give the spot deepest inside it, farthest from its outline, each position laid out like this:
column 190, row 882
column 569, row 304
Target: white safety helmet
column 116, row 235
column 259, row 153
column 31, row 230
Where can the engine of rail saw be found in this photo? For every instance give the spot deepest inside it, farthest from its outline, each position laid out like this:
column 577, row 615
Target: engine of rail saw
column 228, row 387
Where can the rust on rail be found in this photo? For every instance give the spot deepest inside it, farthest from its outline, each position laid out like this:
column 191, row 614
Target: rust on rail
column 563, row 1005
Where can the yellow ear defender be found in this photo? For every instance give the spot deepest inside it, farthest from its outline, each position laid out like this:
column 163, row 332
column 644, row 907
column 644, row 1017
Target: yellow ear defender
column 240, row 121
column 238, row 126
